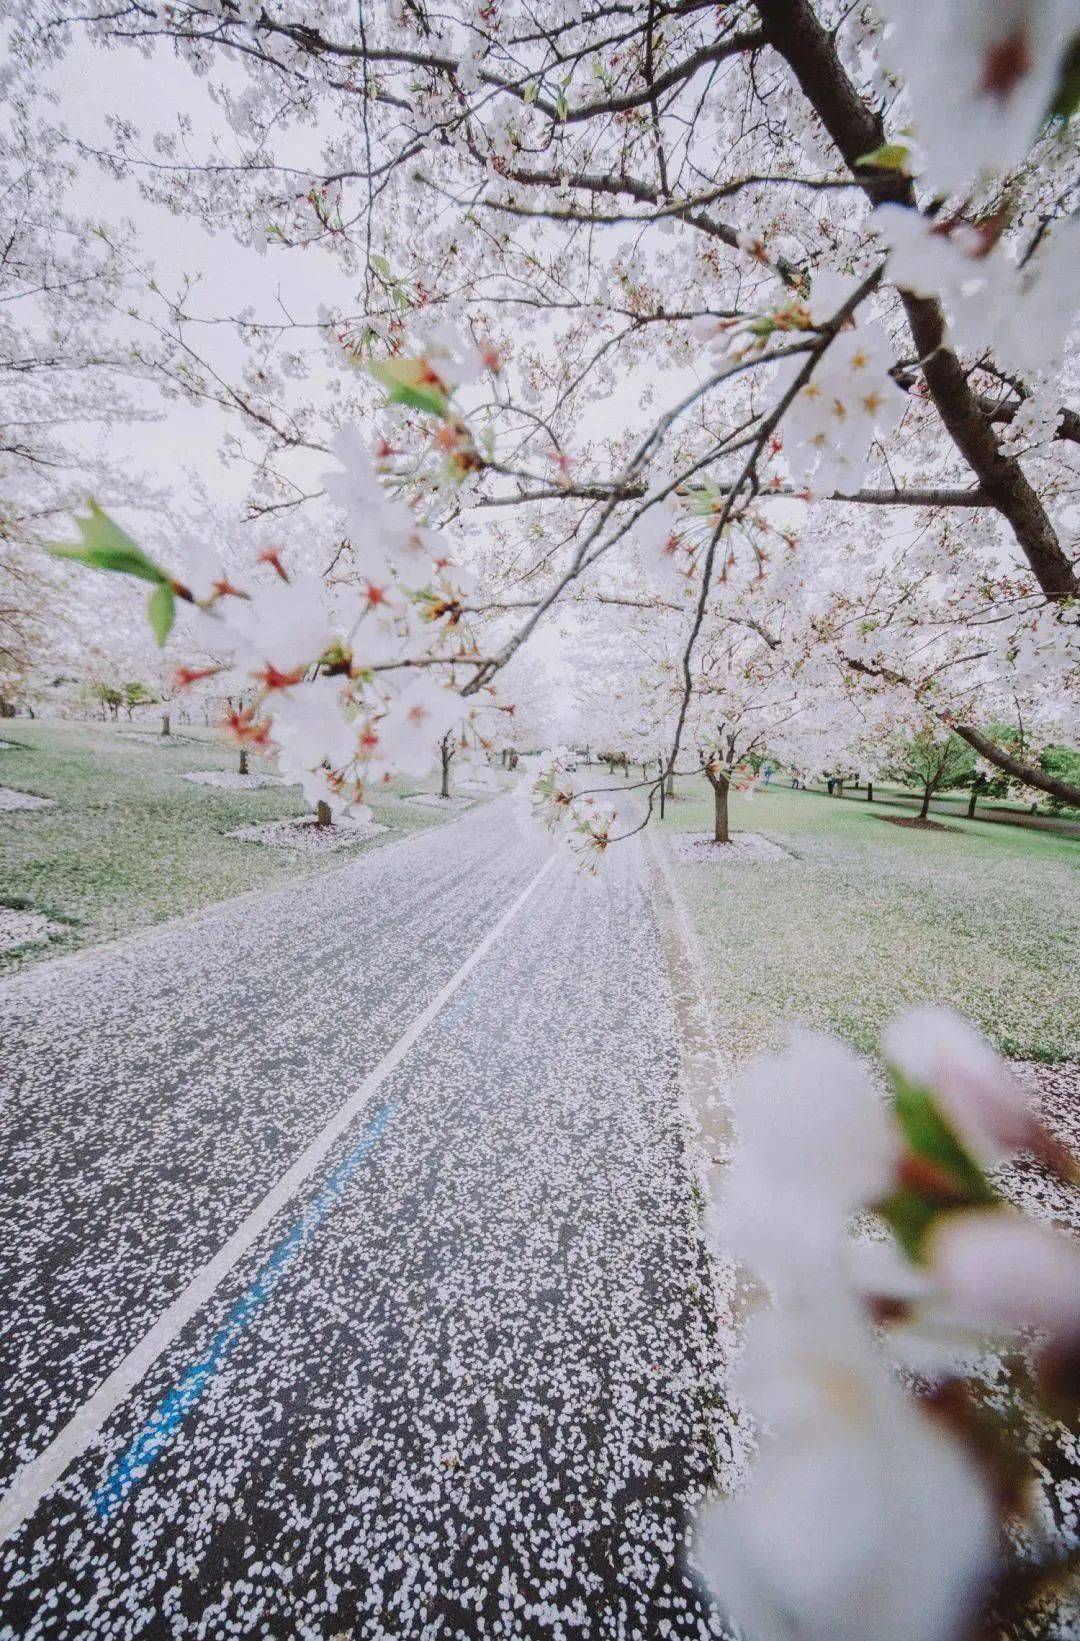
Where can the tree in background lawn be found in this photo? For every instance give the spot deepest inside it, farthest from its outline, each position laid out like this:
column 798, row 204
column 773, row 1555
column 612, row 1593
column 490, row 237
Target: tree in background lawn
column 931, row 762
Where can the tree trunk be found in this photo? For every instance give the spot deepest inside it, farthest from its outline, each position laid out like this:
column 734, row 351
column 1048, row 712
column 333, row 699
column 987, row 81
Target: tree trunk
column 243, row 761
column 925, row 810
column 869, row 791
column 323, row 817
column 838, row 789
column 669, row 785
column 720, row 809
column 513, row 759
column 445, row 754
column 972, row 797
column 663, row 784
column 794, row 30
column 165, row 723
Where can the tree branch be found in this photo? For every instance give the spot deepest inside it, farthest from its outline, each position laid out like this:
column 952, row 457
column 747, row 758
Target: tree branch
column 796, row 34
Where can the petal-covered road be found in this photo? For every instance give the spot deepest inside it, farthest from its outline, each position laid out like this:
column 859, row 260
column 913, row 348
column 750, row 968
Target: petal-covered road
column 350, row 1271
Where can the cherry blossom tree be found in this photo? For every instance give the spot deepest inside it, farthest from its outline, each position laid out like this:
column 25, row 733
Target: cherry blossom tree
column 754, row 324
column 837, row 318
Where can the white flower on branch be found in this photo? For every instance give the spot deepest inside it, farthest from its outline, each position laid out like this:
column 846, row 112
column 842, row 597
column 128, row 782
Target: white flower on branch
column 415, row 722
column 934, row 1049
column 853, row 1490
column 817, row 1145
column 1023, row 315
column 981, row 77
column 999, row 1273
column 313, row 735
column 281, row 629
column 849, row 397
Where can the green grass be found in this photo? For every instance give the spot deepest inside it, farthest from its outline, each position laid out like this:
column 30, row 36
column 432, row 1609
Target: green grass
column 1008, row 811
column 130, row 843
column 868, row 918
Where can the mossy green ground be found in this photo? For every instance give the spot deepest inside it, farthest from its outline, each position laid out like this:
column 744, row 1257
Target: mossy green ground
column 867, row 918
column 130, row 843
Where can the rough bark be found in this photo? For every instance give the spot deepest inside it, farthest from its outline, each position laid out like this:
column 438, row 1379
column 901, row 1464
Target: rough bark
column 243, row 770
column 720, row 786
column 925, row 810
column 323, row 816
column 794, row 31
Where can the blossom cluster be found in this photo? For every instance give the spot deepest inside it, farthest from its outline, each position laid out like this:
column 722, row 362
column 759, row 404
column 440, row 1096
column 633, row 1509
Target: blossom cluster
column 354, row 680
column 980, row 79
column 1022, row 311
column 320, row 665
column 849, row 397
column 859, row 1481
column 574, row 817
column 669, row 551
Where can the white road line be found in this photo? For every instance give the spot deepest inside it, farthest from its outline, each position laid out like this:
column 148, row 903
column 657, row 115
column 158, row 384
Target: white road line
column 36, row 1478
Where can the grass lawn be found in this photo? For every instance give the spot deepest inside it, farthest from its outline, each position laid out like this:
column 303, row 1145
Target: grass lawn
column 130, row 843
column 1009, row 811
column 866, row 918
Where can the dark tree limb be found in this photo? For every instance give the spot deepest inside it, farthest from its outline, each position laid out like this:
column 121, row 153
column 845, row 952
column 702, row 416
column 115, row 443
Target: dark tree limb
column 794, row 31
column 1027, row 774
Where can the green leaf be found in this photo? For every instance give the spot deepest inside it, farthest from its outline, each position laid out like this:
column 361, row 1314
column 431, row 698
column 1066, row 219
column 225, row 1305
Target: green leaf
column 929, row 1135
column 408, row 382
column 531, row 92
column 562, row 107
column 891, row 156
column 380, row 264
column 1066, row 98
column 104, row 546
column 909, row 1217
column 161, row 608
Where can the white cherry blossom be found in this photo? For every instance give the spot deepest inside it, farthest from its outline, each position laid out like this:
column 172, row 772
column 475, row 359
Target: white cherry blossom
column 934, row 1049
column 860, row 1517
column 980, row 75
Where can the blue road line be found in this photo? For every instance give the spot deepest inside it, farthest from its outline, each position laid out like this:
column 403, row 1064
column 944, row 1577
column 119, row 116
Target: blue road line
column 170, row 1413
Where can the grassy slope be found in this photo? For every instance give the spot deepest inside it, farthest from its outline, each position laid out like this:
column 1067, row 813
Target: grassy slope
column 130, row 843
column 871, row 917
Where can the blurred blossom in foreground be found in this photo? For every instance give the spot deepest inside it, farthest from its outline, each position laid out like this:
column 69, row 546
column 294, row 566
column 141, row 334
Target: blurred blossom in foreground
column 872, row 1509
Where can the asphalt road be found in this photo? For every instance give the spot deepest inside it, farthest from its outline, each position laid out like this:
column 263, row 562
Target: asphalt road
column 348, row 1268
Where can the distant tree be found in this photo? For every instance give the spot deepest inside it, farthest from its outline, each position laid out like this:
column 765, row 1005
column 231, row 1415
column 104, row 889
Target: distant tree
column 932, row 762
column 106, row 696
column 137, row 694
column 447, row 749
column 979, row 785
column 1063, row 761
